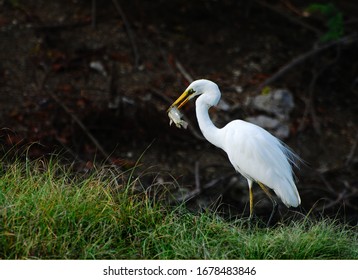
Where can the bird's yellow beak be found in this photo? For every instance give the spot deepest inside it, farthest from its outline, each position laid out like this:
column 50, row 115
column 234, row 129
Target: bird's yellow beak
column 182, row 100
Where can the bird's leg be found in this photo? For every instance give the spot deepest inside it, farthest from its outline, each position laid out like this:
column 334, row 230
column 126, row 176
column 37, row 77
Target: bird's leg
column 274, row 203
column 251, row 200
column 251, row 203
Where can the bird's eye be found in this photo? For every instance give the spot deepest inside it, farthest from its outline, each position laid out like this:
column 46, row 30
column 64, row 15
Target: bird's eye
column 191, row 91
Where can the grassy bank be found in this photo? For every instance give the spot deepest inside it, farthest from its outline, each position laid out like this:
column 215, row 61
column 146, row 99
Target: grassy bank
column 47, row 213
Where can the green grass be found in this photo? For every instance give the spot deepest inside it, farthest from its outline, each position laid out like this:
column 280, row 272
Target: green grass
column 46, row 212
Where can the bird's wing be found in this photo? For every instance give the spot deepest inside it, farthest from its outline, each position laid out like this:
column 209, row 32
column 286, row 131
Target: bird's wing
column 261, row 157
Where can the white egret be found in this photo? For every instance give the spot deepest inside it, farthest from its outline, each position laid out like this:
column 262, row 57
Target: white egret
column 254, row 152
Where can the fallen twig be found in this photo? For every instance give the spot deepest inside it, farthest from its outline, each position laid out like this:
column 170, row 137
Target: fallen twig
column 196, row 192
column 40, row 87
column 352, row 151
column 341, row 197
column 82, row 126
column 197, row 176
column 185, row 73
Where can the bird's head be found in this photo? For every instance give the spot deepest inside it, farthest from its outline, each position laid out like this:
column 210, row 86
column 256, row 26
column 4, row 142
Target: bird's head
column 196, row 88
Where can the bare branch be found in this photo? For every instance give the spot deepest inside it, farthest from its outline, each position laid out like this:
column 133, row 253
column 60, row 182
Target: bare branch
column 352, row 151
column 197, row 176
column 40, row 87
column 294, row 20
column 185, row 74
column 196, row 192
column 129, row 32
column 82, row 126
column 94, row 13
column 345, row 40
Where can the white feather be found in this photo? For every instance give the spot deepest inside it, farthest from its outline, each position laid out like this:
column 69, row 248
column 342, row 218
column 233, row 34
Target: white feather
column 253, row 151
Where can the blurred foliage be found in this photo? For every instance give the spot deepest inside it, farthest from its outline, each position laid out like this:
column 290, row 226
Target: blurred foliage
column 14, row 3
column 334, row 20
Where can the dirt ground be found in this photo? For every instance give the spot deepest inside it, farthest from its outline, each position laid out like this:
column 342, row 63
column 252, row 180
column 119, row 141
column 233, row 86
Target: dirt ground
column 93, row 81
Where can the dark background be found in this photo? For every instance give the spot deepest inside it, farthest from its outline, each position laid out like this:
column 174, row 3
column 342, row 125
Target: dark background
column 91, row 80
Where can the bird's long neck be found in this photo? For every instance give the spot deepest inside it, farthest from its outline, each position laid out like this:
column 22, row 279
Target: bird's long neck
column 209, row 130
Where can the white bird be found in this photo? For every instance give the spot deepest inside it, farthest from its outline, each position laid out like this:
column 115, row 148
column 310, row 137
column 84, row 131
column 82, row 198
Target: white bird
column 254, row 152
